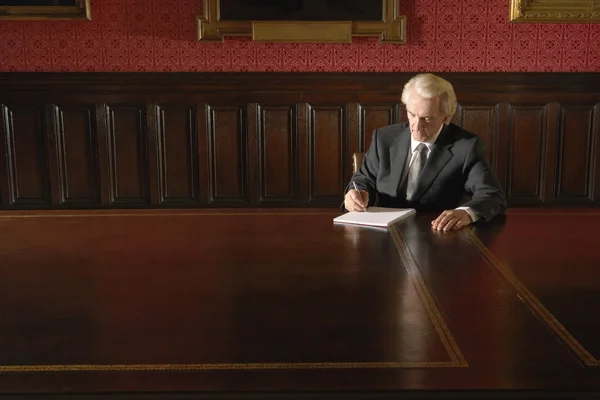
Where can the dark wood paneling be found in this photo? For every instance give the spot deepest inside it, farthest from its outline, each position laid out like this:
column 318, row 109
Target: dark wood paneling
column 103, row 151
column 177, row 147
column 278, row 151
column 4, row 191
column 252, row 157
column 482, row 120
column 303, row 154
column 353, row 134
column 526, row 153
column 575, row 156
column 153, row 151
column 77, row 154
column 373, row 116
column 329, row 161
column 595, row 167
column 227, row 154
column 551, row 151
column 502, row 166
column 276, row 139
column 128, row 158
column 25, row 132
column 470, row 87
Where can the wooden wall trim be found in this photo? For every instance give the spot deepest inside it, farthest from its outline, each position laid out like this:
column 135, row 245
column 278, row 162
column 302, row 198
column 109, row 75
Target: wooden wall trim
column 115, row 140
column 178, row 82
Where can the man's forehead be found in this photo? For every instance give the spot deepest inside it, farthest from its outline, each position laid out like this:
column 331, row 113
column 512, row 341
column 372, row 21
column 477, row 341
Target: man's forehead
column 431, row 109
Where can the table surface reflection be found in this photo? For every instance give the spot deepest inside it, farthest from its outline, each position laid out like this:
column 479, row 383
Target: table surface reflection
column 239, row 302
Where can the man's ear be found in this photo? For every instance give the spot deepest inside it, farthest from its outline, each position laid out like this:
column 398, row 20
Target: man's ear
column 447, row 119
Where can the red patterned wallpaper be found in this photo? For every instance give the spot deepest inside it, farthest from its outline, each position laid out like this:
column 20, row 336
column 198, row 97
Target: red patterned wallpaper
column 160, row 35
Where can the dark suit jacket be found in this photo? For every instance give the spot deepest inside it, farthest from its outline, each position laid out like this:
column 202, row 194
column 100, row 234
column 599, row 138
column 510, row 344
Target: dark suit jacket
column 456, row 166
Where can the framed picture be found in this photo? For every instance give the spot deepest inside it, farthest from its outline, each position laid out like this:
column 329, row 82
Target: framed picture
column 302, row 20
column 45, row 9
column 300, row 10
column 576, row 11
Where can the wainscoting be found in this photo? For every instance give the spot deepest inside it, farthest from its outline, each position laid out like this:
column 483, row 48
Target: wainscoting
column 141, row 140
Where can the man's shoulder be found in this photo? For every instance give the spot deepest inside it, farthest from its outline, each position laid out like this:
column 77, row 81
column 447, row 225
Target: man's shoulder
column 388, row 134
column 459, row 135
column 393, row 128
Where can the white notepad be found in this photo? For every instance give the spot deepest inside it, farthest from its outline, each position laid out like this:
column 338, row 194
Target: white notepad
column 375, row 216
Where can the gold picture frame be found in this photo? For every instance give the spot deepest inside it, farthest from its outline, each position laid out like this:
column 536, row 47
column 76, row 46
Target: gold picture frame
column 556, row 11
column 391, row 28
column 79, row 9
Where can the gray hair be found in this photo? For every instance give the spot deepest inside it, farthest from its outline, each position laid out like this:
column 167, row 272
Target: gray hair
column 430, row 86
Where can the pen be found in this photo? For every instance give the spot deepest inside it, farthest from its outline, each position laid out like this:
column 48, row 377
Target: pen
column 358, row 191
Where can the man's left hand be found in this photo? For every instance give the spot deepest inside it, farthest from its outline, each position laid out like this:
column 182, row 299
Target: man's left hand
column 451, row 220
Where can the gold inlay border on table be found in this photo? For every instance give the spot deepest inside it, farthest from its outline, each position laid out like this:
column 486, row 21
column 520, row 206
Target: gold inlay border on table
column 408, row 260
column 438, row 321
column 218, row 367
column 152, row 213
column 533, row 303
column 15, row 214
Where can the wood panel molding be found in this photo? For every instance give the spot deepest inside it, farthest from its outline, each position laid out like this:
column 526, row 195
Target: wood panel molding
column 177, row 153
column 575, row 153
column 373, row 116
column 77, row 154
column 101, row 140
column 278, row 153
column 127, row 153
column 228, row 154
column 482, row 119
column 26, row 155
column 526, row 152
column 329, row 162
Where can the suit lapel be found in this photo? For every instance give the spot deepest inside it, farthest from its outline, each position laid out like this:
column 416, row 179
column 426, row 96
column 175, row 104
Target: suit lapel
column 437, row 160
column 398, row 154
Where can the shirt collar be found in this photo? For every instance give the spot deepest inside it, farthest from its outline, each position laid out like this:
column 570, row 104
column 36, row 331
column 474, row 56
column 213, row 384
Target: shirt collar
column 414, row 143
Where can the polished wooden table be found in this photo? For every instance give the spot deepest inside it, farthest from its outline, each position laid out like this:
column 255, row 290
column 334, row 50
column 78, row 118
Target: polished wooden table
column 286, row 304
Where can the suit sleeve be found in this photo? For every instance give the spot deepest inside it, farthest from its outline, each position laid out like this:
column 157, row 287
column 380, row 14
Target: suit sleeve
column 366, row 176
column 488, row 199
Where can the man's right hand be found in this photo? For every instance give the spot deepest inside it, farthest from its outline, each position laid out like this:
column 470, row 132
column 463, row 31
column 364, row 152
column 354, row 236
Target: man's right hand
column 355, row 201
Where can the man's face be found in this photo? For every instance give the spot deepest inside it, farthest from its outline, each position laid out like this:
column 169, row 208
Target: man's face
column 425, row 116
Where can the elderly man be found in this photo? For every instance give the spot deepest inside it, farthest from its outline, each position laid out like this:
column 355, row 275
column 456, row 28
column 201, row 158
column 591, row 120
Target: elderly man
column 429, row 163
